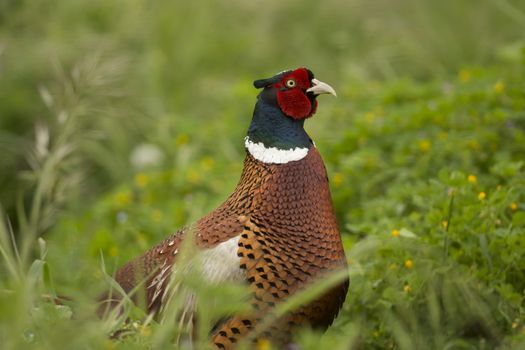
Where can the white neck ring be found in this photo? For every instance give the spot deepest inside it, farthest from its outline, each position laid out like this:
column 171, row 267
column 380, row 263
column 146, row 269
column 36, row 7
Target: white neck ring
column 273, row 155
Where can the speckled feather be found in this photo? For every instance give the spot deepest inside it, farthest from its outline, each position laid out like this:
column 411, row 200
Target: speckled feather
column 288, row 236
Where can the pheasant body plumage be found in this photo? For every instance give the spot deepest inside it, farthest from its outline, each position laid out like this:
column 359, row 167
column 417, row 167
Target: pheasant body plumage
column 277, row 231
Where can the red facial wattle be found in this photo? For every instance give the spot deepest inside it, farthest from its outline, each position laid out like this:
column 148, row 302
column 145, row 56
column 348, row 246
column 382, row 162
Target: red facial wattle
column 295, row 104
column 293, row 100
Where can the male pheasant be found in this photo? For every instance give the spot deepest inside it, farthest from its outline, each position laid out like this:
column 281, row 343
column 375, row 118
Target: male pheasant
column 277, row 231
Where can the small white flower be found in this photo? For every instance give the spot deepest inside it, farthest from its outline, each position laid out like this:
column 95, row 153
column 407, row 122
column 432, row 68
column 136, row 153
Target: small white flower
column 146, row 155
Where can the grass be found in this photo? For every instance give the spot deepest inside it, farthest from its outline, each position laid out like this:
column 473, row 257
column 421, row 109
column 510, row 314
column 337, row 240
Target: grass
column 117, row 130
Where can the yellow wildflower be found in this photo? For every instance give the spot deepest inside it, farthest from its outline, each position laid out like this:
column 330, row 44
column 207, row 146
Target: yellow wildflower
column 337, row 179
column 263, row 344
column 193, row 176
column 424, row 145
column 464, row 75
column 482, row 196
column 513, row 206
column 499, row 87
column 207, row 163
column 473, row 144
column 142, row 239
column 110, row 344
column 438, row 119
column 145, row 330
column 181, row 139
column 472, row 179
column 141, row 180
column 113, row 250
column 409, row 264
column 395, row 233
column 407, row 289
column 123, row 198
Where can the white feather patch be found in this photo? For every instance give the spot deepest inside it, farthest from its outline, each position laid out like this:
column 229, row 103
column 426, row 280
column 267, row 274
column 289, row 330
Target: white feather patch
column 218, row 264
column 221, row 263
column 272, row 154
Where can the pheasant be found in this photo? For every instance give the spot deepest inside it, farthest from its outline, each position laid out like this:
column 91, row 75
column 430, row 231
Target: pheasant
column 277, row 231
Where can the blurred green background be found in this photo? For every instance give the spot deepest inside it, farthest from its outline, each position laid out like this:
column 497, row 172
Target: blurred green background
column 121, row 121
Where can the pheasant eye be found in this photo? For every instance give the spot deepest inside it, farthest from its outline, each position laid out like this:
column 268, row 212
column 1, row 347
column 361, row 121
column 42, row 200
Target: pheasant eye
column 290, row 83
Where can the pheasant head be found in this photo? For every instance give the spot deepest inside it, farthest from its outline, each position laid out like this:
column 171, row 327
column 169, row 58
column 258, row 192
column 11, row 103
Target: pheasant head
column 295, row 92
column 276, row 133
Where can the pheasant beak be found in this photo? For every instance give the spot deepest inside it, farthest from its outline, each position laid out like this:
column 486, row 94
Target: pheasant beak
column 318, row 88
